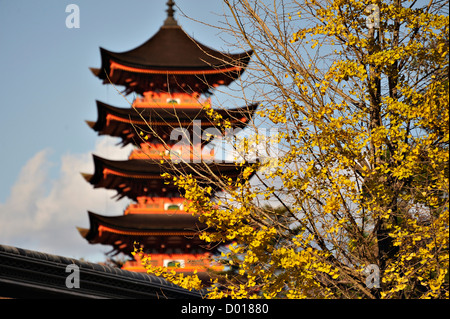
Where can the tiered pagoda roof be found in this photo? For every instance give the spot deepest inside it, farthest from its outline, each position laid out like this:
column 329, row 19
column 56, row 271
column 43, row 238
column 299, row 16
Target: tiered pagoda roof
column 152, row 231
column 127, row 123
column 139, row 177
column 173, row 61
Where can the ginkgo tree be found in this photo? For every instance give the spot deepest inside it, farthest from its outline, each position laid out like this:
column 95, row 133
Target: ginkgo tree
column 358, row 92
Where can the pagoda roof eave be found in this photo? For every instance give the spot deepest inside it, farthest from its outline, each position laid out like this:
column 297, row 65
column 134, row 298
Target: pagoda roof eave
column 172, row 41
column 144, row 68
column 123, row 122
column 148, row 168
column 122, row 231
column 141, row 177
column 145, row 224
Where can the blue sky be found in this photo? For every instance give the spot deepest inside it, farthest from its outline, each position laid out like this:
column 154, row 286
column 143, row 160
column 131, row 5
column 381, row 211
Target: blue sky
column 46, row 94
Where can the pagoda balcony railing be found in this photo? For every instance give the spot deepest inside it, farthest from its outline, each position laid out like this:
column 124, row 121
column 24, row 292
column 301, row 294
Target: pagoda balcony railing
column 177, row 262
column 176, row 152
column 176, row 99
column 148, row 205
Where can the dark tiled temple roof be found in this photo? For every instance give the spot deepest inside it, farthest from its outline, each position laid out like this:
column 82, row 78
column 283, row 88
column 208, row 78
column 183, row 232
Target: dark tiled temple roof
column 31, row 274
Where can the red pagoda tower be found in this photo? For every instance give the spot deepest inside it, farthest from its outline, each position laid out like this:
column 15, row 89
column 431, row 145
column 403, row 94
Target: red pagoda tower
column 173, row 75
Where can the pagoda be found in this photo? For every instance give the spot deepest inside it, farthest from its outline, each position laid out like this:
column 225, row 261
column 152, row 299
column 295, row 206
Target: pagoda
column 173, row 76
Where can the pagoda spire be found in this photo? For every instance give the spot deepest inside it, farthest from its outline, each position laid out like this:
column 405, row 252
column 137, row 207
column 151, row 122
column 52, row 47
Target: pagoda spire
column 170, row 21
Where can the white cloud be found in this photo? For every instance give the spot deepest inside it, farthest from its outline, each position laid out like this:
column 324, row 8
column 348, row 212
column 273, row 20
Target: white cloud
column 42, row 213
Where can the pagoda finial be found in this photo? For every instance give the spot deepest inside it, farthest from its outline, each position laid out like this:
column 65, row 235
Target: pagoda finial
column 170, row 11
